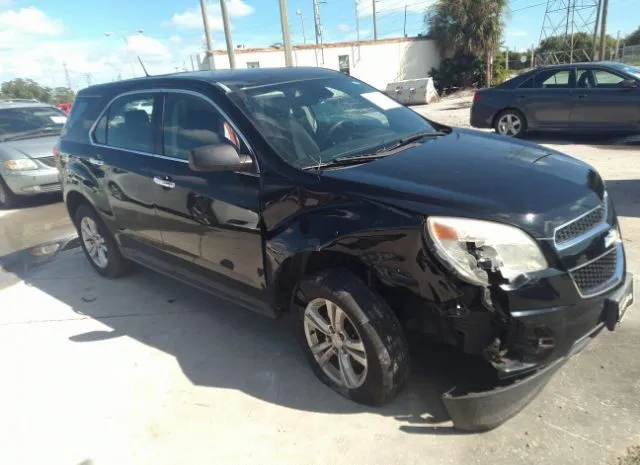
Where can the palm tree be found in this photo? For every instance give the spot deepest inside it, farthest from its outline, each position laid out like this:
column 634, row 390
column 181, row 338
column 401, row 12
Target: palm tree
column 468, row 27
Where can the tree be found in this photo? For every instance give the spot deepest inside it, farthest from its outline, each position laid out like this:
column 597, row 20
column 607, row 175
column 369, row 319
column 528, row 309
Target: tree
column 28, row 88
column 560, row 46
column 633, row 38
column 469, row 27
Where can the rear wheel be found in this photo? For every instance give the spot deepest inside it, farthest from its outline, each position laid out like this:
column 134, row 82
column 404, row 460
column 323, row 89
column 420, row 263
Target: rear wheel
column 351, row 337
column 98, row 244
column 7, row 198
column 511, row 123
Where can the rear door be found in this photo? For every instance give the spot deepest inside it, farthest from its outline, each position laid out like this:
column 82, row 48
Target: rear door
column 601, row 104
column 546, row 98
column 211, row 220
column 124, row 149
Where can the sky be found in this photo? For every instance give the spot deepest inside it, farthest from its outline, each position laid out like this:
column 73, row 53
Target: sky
column 98, row 40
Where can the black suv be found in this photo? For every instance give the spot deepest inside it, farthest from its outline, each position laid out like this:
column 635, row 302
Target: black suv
column 308, row 192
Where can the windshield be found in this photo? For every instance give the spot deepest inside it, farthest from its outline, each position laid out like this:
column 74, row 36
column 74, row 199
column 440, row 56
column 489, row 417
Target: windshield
column 18, row 121
column 633, row 70
column 316, row 121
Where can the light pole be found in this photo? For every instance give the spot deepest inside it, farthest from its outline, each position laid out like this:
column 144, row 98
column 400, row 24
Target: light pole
column 126, row 41
column 304, row 36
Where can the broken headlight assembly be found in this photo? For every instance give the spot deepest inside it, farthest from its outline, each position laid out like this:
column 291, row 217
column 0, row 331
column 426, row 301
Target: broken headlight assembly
column 477, row 250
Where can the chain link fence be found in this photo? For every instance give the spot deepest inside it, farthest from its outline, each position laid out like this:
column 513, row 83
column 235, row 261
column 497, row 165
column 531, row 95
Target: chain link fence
column 631, row 55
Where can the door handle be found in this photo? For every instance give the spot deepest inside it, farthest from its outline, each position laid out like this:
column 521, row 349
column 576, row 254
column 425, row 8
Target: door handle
column 164, row 182
column 96, row 161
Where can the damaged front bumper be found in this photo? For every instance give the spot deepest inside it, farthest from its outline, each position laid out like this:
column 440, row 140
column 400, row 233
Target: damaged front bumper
column 484, row 410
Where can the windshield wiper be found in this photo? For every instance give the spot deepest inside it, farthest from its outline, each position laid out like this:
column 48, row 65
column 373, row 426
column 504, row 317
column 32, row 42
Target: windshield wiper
column 31, row 133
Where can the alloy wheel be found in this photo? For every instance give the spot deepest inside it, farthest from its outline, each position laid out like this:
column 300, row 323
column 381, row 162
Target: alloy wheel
column 509, row 125
column 335, row 343
column 94, row 242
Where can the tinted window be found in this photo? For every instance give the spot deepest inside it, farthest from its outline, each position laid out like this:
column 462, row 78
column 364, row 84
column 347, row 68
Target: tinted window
column 528, row 84
column 606, row 79
column 552, row 79
column 100, row 132
column 191, row 122
column 128, row 123
column 83, row 113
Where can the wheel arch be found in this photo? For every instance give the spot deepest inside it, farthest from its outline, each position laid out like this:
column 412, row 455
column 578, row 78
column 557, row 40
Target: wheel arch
column 510, row 108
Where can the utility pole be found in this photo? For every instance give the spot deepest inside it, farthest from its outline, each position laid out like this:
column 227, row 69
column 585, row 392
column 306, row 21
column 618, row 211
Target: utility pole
column 227, row 34
column 207, row 34
column 375, row 21
column 617, row 46
column 286, row 38
column 603, row 30
column 318, row 29
column 405, row 20
column 533, row 51
column 506, row 59
column 193, row 67
column 66, row 75
column 304, row 36
column 594, row 51
column 87, row 76
column 357, row 22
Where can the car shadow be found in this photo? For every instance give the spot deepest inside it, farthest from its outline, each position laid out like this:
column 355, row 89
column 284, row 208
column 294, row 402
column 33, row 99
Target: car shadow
column 608, row 141
column 626, row 196
column 217, row 344
column 35, row 201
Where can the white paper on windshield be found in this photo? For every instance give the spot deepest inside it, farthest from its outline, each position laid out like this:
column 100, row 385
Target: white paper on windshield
column 381, row 101
column 58, row 119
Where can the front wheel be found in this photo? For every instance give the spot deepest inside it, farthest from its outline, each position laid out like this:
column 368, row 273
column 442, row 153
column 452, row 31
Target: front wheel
column 351, row 337
column 7, row 198
column 511, row 123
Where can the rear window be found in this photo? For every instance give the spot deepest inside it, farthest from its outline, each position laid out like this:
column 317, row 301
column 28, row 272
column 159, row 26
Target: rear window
column 83, row 113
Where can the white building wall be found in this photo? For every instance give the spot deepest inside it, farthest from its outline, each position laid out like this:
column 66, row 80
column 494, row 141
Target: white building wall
column 376, row 63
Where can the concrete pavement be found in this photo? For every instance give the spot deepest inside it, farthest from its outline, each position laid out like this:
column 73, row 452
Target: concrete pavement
column 143, row 370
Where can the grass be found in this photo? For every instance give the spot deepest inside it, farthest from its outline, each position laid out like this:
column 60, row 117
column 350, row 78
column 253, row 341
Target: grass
column 631, row 458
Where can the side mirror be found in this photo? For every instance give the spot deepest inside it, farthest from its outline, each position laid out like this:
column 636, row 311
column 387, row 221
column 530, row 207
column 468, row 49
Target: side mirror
column 628, row 84
column 218, row 157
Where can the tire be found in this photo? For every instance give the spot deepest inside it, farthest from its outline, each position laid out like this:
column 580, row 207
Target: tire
column 369, row 324
column 8, row 199
column 91, row 230
column 510, row 123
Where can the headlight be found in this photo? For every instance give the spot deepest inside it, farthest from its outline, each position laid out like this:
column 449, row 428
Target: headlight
column 20, row 165
column 475, row 247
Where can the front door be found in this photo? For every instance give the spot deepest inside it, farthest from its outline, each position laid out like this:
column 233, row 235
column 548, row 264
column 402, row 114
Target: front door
column 211, row 220
column 125, row 144
column 600, row 102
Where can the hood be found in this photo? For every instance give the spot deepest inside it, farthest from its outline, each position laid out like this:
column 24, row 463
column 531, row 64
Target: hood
column 37, row 147
column 480, row 175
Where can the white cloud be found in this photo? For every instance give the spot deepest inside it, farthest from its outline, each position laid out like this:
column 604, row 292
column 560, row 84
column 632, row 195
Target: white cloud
column 517, row 33
column 345, row 27
column 365, row 7
column 192, row 18
column 32, row 21
column 33, row 45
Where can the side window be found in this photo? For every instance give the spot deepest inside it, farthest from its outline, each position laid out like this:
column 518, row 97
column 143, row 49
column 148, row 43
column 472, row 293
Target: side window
column 81, row 118
column 100, row 132
column 552, row 79
column 128, row 123
column 191, row 122
column 606, row 79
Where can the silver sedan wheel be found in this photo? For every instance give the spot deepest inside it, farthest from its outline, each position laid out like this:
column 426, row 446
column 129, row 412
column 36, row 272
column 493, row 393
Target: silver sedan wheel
column 94, row 242
column 335, row 343
column 509, row 124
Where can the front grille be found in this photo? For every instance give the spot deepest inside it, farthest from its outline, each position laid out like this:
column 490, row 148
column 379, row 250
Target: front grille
column 52, row 187
column 596, row 276
column 581, row 226
column 48, row 161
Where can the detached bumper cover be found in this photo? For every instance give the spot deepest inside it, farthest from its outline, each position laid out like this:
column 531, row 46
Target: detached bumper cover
column 481, row 411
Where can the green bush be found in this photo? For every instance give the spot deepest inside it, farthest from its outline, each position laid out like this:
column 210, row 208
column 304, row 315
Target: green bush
column 465, row 72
